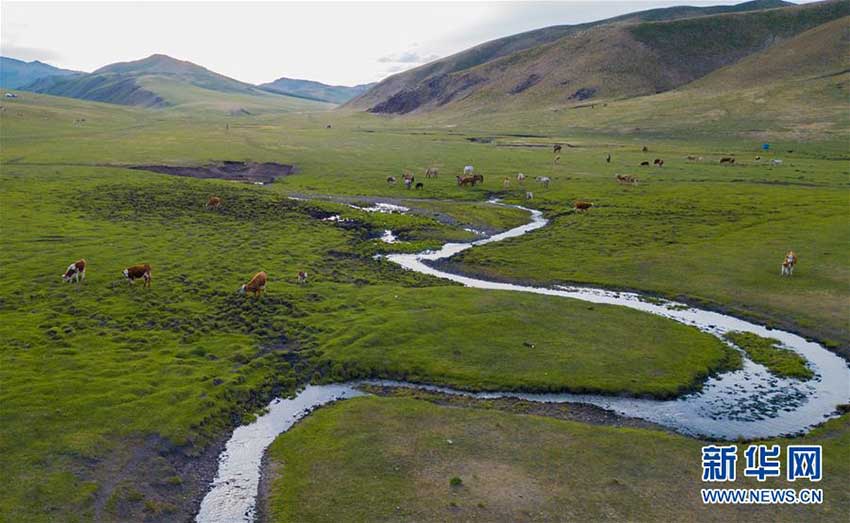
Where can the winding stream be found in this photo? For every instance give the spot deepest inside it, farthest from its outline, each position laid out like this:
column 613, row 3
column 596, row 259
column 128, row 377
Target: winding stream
column 748, row 403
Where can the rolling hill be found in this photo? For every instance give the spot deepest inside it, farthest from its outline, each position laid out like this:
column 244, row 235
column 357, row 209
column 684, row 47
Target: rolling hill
column 635, row 55
column 335, row 94
column 16, row 73
column 162, row 81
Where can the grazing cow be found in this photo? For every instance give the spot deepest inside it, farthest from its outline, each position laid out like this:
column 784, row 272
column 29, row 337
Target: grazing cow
column 302, row 278
column 477, row 178
column 76, row 272
column 408, row 176
column 257, row 284
column 691, row 157
column 391, row 180
column 608, row 158
column 558, row 158
column 419, row 185
column 627, row 178
column 464, row 181
column 727, row 159
column 506, row 183
column 467, row 170
column 142, row 270
column 658, row 162
column 645, row 149
column 776, row 162
column 758, row 158
column 644, row 164
column 788, row 264
column 582, row 205
column 431, row 172
column 408, row 182
column 520, row 178
column 213, row 202
column 544, row 180
column 556, row 149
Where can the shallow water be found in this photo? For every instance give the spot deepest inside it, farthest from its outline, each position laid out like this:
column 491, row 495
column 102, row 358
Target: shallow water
column 233, row 493
column 749, row 403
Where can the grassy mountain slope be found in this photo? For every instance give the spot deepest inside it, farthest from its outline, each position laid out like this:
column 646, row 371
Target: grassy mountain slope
column 161, row 81
column 609, row 61
column 16, row 73
column 794, row 90
column 336, row 94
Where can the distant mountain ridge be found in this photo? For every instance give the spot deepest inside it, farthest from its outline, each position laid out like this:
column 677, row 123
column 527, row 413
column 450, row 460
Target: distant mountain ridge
column 632, row 55
column 160, row 81
column 17, row 73
column 337, row 94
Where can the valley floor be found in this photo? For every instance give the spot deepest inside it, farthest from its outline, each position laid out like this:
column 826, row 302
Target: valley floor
column 116, row 398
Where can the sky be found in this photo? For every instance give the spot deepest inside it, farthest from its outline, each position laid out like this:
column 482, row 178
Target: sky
column 340, row 43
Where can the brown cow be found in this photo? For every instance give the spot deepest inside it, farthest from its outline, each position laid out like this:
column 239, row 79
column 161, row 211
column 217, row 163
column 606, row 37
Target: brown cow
column 582, row 205
column 645, row 149
column 477, row 178
column 257, row 284
column 506, row 182
column 465, row 180
column 659, row 162
column 627, row 178
column 213, row 202
column 76, row 271
column 142, row 270
column 727, row 159
column 644, row 164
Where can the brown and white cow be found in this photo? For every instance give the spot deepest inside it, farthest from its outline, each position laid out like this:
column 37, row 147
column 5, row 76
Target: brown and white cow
column 76, row 272
column 556, row 148
column 627, row 178
column 520, row 178
column 658, row 162
column 213, row 202
column 142, row 270
column 789, row 263
column 302, row 277
column 257, row 284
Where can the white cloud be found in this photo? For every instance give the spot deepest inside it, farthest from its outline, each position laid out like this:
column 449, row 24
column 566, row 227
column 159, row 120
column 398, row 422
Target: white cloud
column 407, row 57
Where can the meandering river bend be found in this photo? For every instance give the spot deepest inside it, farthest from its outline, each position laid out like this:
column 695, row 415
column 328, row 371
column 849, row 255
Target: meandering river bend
column 748, row 403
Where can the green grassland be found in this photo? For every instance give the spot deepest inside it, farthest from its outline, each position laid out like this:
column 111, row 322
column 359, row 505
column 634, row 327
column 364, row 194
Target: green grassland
column 768, row 352
column 93, row 377
column 393, row 459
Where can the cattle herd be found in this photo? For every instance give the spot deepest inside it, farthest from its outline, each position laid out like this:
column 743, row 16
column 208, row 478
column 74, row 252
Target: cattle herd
column 76, row 272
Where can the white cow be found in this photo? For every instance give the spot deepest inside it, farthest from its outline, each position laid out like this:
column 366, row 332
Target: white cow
column 520, row 178
column 467, row 171
column 544, row 180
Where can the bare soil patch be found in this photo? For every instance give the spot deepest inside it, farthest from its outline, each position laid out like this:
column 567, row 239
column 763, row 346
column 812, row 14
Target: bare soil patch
column 249, row 172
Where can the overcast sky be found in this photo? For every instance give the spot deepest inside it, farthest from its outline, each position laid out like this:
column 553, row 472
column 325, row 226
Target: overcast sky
column 332, row 42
